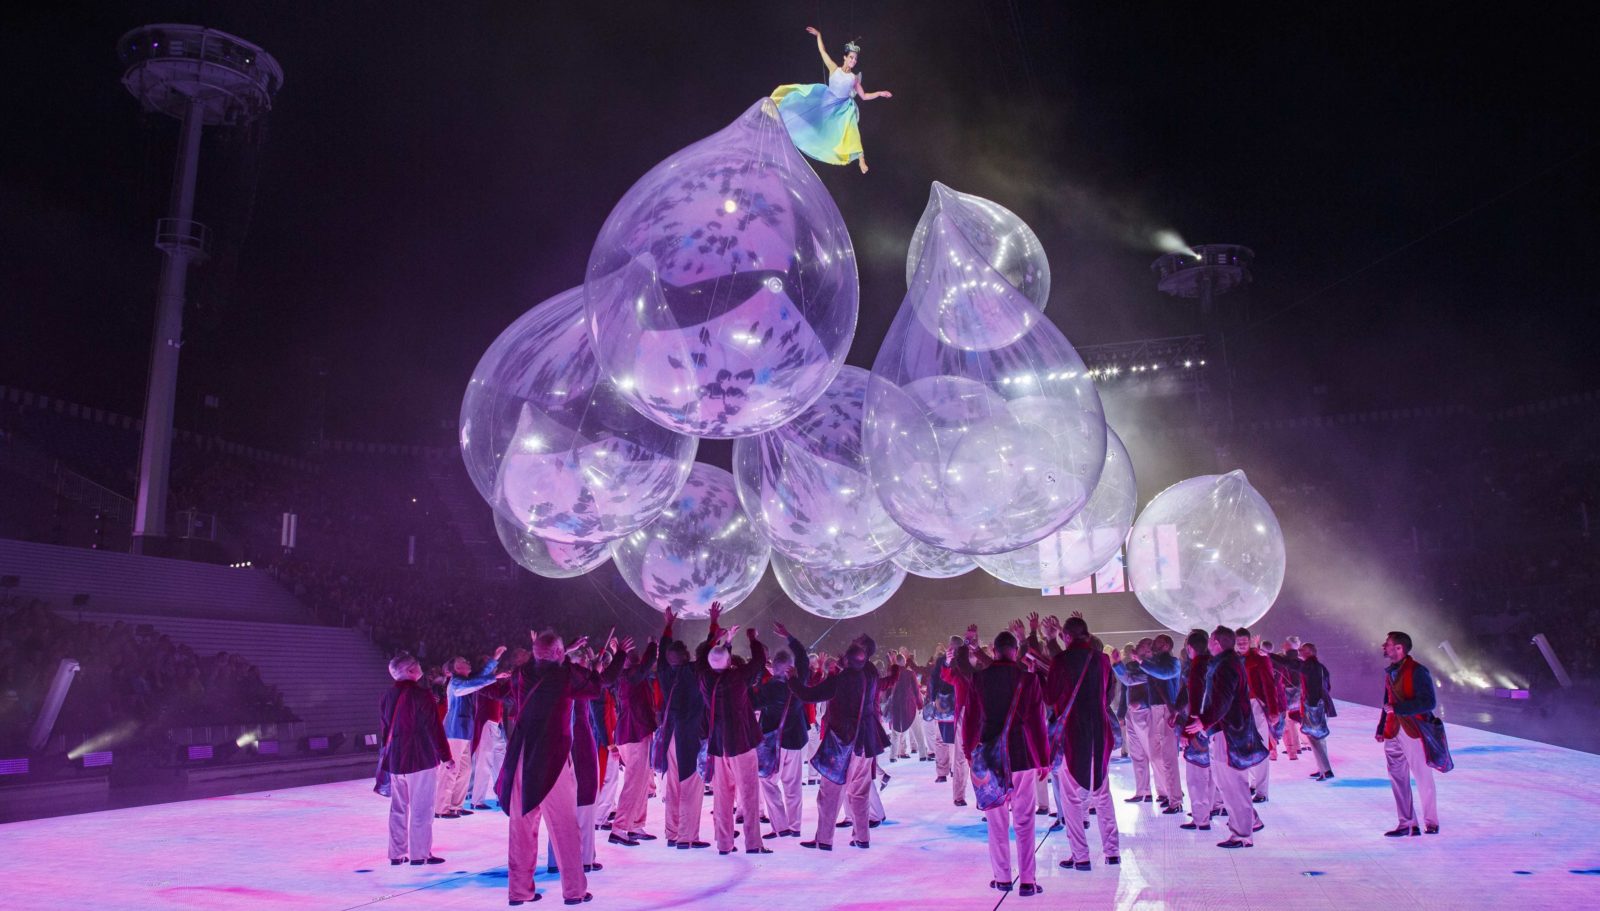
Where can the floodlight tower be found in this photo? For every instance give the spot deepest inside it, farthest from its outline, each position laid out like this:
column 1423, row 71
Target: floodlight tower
column 1207, row 273
column 202, row 77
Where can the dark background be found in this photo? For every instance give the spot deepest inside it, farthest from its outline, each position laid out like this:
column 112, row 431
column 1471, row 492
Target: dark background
column 1418, row 181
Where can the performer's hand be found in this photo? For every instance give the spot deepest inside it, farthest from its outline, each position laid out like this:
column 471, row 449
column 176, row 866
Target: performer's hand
column 498, row 652
column 1192, row 728
column 885, row 95
column 1378, row 737
column 812, row 31
column 1077, row 614
column 574, row 647
column 716, row 611
column 627, row 644
column 1033, row 621
column 750, row 634
column 780, row 629
column 502, row 675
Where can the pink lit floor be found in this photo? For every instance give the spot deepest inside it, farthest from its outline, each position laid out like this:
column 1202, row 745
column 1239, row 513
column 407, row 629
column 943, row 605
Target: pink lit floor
column 1518, row 816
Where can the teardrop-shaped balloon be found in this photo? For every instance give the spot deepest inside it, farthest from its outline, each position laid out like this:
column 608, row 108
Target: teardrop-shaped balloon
column 980, row 451
column 550, row 444
column 702, row 548
column 805, row 484
column 1088, row 540
column 837, row 594
column 925, row 560
column 1206, row 552
column 985, row 251
column 722, row 291
column 551, row 559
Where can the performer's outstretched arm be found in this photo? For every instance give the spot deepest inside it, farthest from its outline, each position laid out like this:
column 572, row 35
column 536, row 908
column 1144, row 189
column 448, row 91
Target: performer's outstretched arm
column 823, row 50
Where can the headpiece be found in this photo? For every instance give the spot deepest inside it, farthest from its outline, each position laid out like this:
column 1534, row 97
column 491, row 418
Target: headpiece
column 850, row 47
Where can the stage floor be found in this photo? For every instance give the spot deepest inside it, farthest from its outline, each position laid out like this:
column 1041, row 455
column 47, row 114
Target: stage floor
column 1518, row 820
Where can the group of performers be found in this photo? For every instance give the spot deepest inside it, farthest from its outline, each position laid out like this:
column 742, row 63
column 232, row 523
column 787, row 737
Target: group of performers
column 581, row 739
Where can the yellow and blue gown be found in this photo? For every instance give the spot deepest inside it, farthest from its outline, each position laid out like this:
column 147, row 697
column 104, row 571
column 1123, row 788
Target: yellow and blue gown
column 823, row 120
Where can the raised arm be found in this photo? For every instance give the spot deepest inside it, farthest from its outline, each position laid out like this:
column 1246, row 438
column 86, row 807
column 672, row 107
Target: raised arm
column 865, row 95
column 823, row 50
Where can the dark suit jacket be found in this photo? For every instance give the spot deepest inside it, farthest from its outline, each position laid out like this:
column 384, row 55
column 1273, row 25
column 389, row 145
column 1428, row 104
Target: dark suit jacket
column 416, row 741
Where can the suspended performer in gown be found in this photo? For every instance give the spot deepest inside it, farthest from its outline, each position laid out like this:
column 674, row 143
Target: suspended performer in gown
column 823, row 119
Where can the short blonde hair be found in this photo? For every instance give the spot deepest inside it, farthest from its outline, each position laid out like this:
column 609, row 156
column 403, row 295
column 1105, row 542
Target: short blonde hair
column 400, row 665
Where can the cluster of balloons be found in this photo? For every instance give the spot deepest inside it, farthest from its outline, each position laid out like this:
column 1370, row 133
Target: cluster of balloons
column 719, row 302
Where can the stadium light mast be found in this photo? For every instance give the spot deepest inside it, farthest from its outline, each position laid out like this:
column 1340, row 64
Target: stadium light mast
column 1206, row 273
column 202, row 77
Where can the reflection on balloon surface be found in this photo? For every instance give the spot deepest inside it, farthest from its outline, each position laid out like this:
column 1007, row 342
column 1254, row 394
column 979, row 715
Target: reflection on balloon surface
column 551, row 559
column 722, row 291
column 837, row 594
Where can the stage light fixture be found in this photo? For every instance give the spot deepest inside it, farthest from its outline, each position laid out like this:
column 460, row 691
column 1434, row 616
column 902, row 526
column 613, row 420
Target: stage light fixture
column 98, row 760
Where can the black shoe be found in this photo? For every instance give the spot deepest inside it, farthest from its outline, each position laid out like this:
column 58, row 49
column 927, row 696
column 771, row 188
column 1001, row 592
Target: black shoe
column 641, row 836
column 1172, row 809
column 623, row 840
column 1258, row 827
column 1113, row 860
column 1043, row 811
column 874, row 823
column 1315, row 776
column 396, row 861
column 593, row 868
column 941, row 779
column 578, row 901
column 859, row 844
column 518, row 901
column 997, row 884
column 480, row 805
column 720, row 851
column 1259, row 798
column 604, row 827
column 446, row 815
column 1075, row 865
column 1402, row 832
column 772, row 835
column 844, row 824
column 1432, row 830
column 1028, row 889
column 1328, row 777
column 1148, row 798
column 552, row 868
column 1233, row 843
column 816, row 844
column 428, row 860
column 961, row 801
column 792, row 833
column 1136, row 799
column 758, row 850
column 681, row 846
column 696, row 844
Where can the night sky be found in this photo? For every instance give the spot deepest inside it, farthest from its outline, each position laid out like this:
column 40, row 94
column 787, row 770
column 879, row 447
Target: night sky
column 430, row 171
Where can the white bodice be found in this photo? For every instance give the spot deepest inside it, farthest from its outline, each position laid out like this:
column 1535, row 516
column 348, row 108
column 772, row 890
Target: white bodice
column 841, row 84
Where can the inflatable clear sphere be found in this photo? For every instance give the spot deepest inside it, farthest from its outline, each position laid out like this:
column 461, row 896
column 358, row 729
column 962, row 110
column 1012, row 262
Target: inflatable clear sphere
column 551, row 559
column 929, row 562
column 702, row 548
column 1207, row 552
column 805, row 484
column 722, row 292
column 998, row 278
column 979, row 451
column 550, row 444
column 837, row 594
column 1089, row 539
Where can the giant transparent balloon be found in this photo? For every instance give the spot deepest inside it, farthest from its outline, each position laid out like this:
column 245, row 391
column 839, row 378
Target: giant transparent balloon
column 702, row 548
column 837, row 594
column 1207, row 551
column 1004, row 253
column 805, row 484
column 551, row 559
column 1087, row 541
column 923, row 559
column 979, row 451
column 550, row 444
column 722, row 292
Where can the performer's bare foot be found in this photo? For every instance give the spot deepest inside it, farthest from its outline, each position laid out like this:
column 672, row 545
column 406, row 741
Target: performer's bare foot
column 863, row 162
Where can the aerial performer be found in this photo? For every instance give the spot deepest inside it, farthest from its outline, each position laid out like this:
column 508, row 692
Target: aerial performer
column 823, row 119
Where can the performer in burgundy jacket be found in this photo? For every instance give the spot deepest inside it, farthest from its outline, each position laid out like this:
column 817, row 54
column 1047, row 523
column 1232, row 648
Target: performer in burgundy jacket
column 783, row 718
column 538, row 779
column 902, row 704
column 680, row 741
column 636, row 722
column 1236, row 744
column 1316, row 707
column 856, row 737
column 414, row 748
column 1076, row 689
column 1408, row 703
column 1266, row 704
column 733, row 732
column 1010, row 705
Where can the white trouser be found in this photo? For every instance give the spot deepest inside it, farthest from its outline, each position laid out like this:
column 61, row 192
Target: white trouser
column 1234, row 786
column 411, row 814
column 781, row 792
column 875, row 811
column 605, row 802
column 1136, row 737
column 1079, row 801
column 486, row 761
column 1407, row 760
column 452, row 787
column 1261, row 773
column 1164, row 760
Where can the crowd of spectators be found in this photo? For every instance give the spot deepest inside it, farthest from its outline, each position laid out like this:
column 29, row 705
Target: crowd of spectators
column 128, row 674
